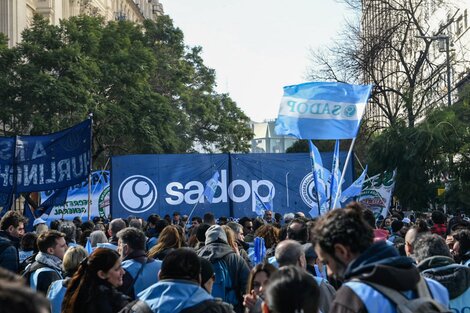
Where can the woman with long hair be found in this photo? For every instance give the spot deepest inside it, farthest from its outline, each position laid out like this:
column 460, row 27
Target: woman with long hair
column 92, row 288
column 257, row 281
column 169, row 239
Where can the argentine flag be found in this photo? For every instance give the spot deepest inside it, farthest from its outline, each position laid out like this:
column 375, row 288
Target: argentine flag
column 322, row 110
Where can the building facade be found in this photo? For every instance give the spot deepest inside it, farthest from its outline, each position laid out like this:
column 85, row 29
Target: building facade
column 16, row 15
column 266, row 140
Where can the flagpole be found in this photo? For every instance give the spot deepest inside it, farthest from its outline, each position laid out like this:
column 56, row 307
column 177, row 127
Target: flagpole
column 312, row 161
column 194, row 207
column 90, row 116
column 344, row 171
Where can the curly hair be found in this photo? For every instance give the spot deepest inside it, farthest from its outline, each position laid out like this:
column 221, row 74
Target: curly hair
column 269, row 233
column 343, row 226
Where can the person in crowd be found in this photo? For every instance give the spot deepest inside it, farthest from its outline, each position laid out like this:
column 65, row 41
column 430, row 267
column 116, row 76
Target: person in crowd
column 379, row 234
column 209, row 219
column 40, row 226
column 92, row 288
column 268, row 216
column 223, row 220
column 257, row 282
column 114, row 227
column 297, row 230
column 439, row 220
column 11, row 231
column 169, row 239
column 153, row 239
column 140, row 271
column 417, row 230
column 15, row 298
column 461, row 246
column 240, row 240
column 291, row 290
column 177, row 219
column 178, row 289
column 207, row 275
column 54, row 224
column 291, row 252
column 136, row 223
column 151, row 223
column 277, row 220
column 248, row 230
column 201, row 235
column 97, row 237
column 231, row 238
column 70, row 231
column 196, row 221
column 270, row 234
column 396, row 236
column 314, row 267
column 47, row 267
column 72, row 259
column 222, row 256
column 28, row 246
column 435, row 261
column 288, row 217
column 345, row 243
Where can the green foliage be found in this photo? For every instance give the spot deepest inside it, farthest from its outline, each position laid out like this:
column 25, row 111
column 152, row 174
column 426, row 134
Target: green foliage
column 149, row 93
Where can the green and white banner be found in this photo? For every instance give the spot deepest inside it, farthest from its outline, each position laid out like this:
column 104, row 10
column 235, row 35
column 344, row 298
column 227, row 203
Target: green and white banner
column 377, row 193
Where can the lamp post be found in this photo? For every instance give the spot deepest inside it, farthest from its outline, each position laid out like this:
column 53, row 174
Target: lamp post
column 443, row 39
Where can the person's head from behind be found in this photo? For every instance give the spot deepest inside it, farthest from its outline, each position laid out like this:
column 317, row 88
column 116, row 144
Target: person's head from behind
column 259, row 277
column 115, row 226
column 15, row 298
column 70, row 231
column 13, row 224
column 136, row 223
column 28, row 242
column 201, row 232
column 72, row 259
column 396, row 226
column 209, row 218
column 270, row 234
column 130, row 239
column 340, row 236
column 97, row 237
column 52, row 242
column 169, row 238
column 291, row 290
column 290, row 252
column 297, row 230
column 102, row 267
column 438, row 217
column 429, row 245
column 237, row 229
column 182, row 264
column 207, row 275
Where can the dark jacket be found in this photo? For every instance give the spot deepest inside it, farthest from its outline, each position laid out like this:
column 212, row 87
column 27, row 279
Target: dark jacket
column 237, row 267
column 106, row 299
column 44, row 279
column 8, row 253
column 210, row 306
column 379, row 264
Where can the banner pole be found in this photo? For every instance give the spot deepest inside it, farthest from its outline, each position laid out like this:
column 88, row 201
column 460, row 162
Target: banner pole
column 344, row 171
column 90, row 116
column 194, row 207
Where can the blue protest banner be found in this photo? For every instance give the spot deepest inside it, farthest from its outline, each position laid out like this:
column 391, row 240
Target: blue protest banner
column 161, row 184
column 322, row 110
column 49, row 162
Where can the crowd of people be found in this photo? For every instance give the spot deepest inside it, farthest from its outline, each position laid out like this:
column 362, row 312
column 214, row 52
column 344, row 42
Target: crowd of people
column 348, row 260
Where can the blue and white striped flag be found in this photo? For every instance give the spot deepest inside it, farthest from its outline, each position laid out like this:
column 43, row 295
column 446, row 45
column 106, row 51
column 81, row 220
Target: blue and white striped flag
column 335, row 188
column 211, row 186
column 320, row 175
column 259, row 206
column 322, row 110
column 355, row 189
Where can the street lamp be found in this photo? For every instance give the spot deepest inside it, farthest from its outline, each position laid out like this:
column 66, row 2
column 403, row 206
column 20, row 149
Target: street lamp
column 443, row 46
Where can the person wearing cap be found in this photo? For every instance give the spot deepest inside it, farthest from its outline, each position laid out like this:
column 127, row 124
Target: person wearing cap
column 217, row 250
column 179, row 287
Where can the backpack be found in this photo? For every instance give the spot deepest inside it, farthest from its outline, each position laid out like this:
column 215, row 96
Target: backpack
column 223, row 287
column 423, row 303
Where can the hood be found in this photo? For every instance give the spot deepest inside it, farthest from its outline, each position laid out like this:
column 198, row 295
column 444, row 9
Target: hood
column 173, row 296
column 215, row 233
column 215, row 251
column 455, row 277
column 382, row 264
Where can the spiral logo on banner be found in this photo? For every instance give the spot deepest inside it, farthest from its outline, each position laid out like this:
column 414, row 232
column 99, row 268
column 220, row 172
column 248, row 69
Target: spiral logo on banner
column 306, row 189
column 137, row 194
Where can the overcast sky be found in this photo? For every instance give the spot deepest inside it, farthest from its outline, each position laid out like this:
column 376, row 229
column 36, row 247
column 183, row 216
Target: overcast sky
column 256, row 47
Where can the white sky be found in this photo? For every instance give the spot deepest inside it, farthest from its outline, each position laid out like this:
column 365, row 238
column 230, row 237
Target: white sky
column 257, row 46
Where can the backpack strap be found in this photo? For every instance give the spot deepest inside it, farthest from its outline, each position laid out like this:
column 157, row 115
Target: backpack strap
column 136, row 276
column 422, row 289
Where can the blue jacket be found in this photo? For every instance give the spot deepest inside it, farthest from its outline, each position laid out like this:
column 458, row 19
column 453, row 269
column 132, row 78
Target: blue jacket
column 56, row 294
column 148, row 276
column 381, row 264
column 173, row 296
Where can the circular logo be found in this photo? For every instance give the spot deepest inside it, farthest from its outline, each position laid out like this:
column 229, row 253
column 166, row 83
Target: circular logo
column 349, row 111
column 307, row 190
column 137, row 194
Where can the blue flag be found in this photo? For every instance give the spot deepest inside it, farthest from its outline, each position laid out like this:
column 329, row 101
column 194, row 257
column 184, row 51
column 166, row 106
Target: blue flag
column 259, row 206
column 270, row 204
column 320, row 177
column 211, row 186
column 355, row 189
column 57, row 198
column 88, row 247
column 30, row 217
column 335, row 188
column 260, row 250
column 322, row 110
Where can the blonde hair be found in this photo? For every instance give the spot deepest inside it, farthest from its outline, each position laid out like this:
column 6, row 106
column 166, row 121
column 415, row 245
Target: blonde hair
column 72, row 258
column 230, row 237
column 169, row 238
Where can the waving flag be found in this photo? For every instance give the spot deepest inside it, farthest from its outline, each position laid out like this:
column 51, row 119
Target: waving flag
column 335, row 188
column 322, row 110
column 211, row 186
column 259, row 206
column 355, row 189
column 270, row 205
column 320, row 175
column 57, row 198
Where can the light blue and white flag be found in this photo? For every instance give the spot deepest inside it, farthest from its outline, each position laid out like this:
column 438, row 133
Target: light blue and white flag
column 270, row 204
column 335, row 188
column 320, row 175
column 259, row 206
column 322, row 110
column 211, row 186
column 355, row 189
column 88, row 247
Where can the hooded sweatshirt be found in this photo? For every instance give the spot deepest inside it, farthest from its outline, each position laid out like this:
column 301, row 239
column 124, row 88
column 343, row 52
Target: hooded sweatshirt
column 173, row 296
column 380, row 264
